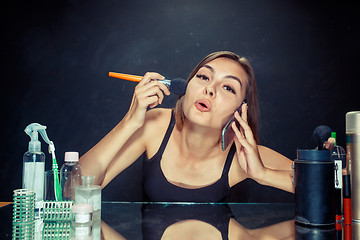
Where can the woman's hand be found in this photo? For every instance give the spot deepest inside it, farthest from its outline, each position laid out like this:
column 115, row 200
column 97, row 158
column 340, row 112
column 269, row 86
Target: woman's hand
column 148, row 93
column 250, row 161
column 246, row 146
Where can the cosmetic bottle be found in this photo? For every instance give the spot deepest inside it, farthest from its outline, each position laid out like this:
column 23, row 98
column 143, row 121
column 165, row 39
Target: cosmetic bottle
column 338, row 155
column 89, row 193
column 34, row 166
column 352, row 120
column 314, row 188
column 70, row 176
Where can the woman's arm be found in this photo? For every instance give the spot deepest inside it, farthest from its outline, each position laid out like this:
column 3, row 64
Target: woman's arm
column 96, row 162
column 124, row 143
column 278, row 171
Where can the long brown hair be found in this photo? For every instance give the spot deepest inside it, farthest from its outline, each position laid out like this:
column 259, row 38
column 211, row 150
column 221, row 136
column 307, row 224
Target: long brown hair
column 250, row 95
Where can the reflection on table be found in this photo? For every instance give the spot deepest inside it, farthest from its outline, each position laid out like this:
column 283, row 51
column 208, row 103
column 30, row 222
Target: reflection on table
column 125, row 220
column 198, row 221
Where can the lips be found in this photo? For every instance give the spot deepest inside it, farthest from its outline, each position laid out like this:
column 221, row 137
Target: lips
column 203, row 105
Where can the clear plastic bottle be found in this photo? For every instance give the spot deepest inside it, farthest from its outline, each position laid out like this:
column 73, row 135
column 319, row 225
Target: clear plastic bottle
column 89, row 193
column 34, row 165
column 34, row 170
column 70, row 175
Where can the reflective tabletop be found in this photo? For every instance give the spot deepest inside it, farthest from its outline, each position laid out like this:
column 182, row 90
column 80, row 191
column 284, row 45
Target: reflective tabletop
column 139, row 220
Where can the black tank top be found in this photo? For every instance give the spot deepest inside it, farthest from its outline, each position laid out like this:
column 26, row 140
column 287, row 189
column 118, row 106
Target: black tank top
column 156, row 188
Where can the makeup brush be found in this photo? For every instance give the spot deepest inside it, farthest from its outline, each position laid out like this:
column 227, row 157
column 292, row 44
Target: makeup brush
column 176, row 86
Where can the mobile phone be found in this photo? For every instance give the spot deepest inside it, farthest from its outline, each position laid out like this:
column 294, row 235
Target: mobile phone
column 227, row 134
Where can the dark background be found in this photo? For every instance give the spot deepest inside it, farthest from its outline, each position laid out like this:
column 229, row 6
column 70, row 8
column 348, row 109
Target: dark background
column 56, row 55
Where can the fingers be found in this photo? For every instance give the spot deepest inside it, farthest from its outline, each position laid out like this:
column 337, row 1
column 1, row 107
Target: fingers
column 240, row 138
column 244, row 111
column 150, row 92
column 151, row 77
column 245, row 132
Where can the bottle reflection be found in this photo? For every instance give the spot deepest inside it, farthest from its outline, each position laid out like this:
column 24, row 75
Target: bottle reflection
column 310, row 233
column 355, row 227
column 338, row 232
column 85, row 231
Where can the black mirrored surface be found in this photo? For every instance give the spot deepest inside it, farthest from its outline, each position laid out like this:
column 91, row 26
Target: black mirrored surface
column 180, row 220
column 137, row 220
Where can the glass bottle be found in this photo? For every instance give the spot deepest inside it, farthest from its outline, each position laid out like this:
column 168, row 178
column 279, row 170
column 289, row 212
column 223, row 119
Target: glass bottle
column 88, row 192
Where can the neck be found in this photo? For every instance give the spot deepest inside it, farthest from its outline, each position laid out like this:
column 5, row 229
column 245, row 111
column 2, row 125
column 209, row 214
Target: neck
column 198, row 142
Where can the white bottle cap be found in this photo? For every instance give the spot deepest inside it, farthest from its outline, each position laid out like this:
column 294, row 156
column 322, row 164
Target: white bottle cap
column 352, row 122
column 71, row 156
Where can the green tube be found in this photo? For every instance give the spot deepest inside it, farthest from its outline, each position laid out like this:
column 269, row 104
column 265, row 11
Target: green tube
column 57, row 187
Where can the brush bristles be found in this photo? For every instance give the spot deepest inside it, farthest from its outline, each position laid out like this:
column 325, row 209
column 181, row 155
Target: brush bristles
column 178, row 86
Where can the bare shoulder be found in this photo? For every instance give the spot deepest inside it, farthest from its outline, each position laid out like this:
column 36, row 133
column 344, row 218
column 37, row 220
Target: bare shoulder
column 273, row 159
column 157, row 117
column 156, row 123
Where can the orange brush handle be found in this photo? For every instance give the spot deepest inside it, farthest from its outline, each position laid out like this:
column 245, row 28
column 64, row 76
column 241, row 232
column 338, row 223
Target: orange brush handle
column 124, row 76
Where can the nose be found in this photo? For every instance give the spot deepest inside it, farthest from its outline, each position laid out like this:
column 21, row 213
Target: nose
column 210, row 90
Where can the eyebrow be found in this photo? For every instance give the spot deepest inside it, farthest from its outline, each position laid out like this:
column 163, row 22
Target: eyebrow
column 228, row 76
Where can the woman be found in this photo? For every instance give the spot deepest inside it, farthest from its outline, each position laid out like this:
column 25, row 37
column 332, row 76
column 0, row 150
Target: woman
column 186, row 162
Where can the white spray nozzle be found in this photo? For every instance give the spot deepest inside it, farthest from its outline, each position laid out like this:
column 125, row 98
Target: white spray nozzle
column 34, row 145
column 32, row 130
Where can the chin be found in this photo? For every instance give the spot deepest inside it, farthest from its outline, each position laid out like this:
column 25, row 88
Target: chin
column 204, row 119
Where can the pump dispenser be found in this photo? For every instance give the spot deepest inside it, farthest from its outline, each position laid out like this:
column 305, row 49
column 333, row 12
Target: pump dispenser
column 34, row 164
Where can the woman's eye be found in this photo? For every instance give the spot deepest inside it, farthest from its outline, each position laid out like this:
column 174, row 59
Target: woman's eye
column 230, row 89
column 202, row 77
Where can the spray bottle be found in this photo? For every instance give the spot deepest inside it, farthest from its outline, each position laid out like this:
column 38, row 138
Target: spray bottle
column 34, row 164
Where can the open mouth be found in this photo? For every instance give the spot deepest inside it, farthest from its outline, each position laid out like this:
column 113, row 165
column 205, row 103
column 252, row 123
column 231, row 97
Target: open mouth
column 203, row 105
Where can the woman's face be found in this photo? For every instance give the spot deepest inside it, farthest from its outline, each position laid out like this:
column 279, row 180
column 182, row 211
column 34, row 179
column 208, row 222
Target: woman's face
column 215, row 93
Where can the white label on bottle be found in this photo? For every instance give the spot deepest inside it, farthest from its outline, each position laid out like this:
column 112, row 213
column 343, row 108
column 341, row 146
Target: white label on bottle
column 34, row 173
column 338, row 174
